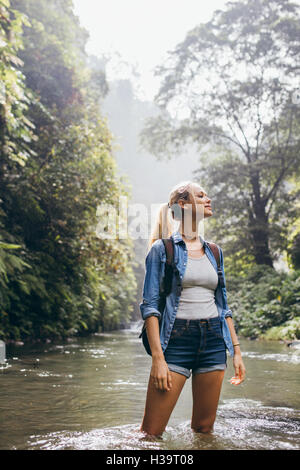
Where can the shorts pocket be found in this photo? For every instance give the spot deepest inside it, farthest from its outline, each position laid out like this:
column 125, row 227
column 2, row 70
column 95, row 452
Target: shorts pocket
column 215, row 329
column 177, row 331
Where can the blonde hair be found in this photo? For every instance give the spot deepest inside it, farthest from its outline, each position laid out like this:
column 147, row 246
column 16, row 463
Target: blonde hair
column 164, row 226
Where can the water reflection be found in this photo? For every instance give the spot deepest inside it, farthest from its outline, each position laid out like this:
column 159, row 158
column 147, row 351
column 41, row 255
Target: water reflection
column 90, row 394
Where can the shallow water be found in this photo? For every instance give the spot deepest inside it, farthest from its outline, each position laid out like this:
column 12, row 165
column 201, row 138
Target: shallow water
column 89, row 393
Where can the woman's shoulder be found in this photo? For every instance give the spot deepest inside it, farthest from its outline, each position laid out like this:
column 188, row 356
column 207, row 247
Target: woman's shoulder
column 157, row 247
column 157, row 244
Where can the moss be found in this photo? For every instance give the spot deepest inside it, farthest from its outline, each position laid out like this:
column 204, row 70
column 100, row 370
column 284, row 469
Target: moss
column 290, row 330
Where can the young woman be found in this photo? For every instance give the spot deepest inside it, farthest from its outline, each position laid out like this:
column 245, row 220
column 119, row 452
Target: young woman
column 196, row 326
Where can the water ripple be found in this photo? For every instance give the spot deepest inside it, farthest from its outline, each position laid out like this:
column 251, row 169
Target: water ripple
column 292, row 358
column 240, row 424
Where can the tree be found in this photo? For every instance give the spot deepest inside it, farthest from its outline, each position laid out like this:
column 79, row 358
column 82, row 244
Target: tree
column 16, row 131
column 69, row 281
column 231, row 87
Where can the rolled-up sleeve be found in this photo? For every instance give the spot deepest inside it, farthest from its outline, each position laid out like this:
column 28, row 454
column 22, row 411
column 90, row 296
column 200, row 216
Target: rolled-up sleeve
column 228, row 312
column 151, row 288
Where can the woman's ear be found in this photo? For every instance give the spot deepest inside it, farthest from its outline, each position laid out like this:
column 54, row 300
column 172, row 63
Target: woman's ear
column 181, row 203
column 176, row 208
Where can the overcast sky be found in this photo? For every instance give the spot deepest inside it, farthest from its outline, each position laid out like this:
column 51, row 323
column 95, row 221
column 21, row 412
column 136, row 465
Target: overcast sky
column 141, row 31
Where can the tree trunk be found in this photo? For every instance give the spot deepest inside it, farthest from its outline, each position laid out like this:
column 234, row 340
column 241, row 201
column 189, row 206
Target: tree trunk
column 259, row 226
column 260, row 238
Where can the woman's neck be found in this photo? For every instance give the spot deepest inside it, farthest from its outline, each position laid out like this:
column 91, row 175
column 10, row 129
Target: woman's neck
column 189, row 235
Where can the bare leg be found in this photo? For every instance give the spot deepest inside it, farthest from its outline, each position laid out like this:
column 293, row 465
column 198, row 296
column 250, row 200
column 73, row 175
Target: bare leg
column 206, row 392
column 159, row 405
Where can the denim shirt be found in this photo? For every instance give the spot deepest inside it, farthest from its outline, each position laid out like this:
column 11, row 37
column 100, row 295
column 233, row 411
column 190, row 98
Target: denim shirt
column 155, row 267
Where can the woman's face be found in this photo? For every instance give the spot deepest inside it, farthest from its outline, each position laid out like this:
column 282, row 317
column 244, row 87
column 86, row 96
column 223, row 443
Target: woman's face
column 202, row 201
column 200, row 204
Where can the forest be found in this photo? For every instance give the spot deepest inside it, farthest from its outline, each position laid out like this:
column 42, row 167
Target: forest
column 57, row 164
column 57, row 278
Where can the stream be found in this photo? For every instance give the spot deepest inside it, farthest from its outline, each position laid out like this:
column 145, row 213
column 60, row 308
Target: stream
column 89, row 393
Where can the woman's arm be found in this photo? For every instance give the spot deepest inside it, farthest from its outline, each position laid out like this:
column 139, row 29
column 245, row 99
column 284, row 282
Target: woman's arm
column 238, row 364
column 152, row 327
column 160, row 373
column 151, row 291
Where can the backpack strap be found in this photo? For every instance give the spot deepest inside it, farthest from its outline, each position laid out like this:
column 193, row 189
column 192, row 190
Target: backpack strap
column 169, row 267
column 215, row 251
column 168, row 242
column 214, row 248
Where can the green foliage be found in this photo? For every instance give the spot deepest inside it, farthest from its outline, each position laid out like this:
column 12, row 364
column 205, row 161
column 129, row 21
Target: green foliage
column 293, row 251
column 16, row 130
column 290, row 330
column 264, row 299
column 62, row 280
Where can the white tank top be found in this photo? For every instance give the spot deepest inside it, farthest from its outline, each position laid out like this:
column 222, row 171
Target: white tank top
column 197, row 300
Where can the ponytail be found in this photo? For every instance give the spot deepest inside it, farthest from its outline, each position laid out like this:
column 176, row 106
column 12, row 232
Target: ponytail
column 163, row 227
column 170, row 213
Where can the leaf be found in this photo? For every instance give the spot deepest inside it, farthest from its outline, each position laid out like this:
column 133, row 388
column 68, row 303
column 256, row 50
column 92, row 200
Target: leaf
column 83, row 324
column 24, row 287
column 8, row 246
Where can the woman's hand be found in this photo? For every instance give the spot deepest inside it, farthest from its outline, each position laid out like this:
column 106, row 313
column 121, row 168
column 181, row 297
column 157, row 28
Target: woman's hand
column 239, row 369
column 160, row 374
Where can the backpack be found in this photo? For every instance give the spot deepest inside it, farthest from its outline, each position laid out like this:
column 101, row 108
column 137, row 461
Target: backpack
column 166, row 284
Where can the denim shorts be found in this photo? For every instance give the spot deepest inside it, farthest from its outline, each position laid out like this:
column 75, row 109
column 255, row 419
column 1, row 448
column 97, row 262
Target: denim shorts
column 197, row 346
